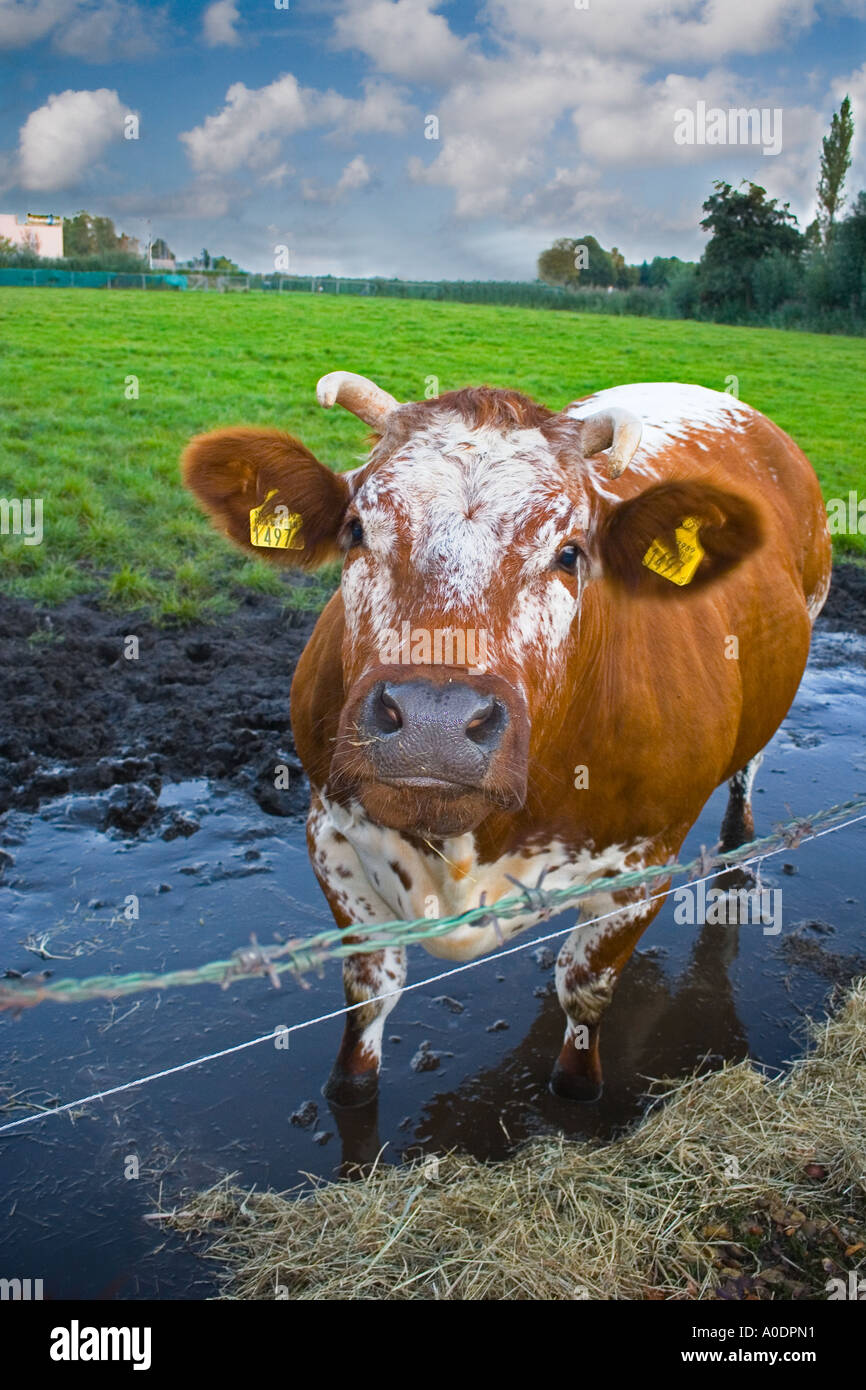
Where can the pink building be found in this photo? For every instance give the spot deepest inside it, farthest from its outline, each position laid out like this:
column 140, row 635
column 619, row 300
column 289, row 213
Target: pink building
column 40, row 232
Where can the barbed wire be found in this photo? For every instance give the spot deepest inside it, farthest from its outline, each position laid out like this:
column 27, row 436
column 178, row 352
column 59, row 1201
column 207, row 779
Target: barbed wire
column 299, row 956
column 704, row 868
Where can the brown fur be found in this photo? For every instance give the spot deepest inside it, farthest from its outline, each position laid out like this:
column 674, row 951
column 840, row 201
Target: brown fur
column 731, row 528
column 478, row 406
column 232, row 471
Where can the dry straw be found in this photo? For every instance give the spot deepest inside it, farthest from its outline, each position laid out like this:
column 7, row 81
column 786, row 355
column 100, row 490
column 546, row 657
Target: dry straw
column 633, row 1218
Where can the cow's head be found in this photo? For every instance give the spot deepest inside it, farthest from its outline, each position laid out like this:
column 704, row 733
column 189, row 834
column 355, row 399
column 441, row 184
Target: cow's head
column 468, row 541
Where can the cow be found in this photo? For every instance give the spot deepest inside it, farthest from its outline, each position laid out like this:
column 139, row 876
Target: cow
column 556, row 633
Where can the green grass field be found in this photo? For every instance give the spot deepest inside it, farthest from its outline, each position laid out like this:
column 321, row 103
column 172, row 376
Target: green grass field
column 117, row 521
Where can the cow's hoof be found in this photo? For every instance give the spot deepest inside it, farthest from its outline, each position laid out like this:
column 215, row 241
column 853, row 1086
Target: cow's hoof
column 350, row 1090
column 569, row 1085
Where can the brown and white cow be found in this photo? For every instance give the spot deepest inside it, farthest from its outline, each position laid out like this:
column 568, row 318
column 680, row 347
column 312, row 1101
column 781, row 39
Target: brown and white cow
column 606, row 683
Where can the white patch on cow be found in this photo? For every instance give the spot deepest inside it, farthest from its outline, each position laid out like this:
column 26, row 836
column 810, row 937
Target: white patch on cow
column 462, row 493
column 584, row 993
column 372, row 976
column 585, row 1003
column 459, row 496
column 355, row 857
column 542, row 619
column 381, row 529
column 744, row 780
column 352, row 475
column 819, row 597
column 671, row 413
column 368, row 593
column 336, row 861
column 538, row 553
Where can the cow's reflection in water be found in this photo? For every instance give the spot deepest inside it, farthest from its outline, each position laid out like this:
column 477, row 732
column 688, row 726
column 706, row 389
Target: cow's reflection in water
column 659, row 1028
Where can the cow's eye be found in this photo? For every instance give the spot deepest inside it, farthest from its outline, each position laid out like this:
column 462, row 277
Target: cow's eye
column 568, row 557
column 355, row 532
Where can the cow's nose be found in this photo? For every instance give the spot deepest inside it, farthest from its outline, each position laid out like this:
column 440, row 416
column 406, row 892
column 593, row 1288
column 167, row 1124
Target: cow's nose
column 415, row 729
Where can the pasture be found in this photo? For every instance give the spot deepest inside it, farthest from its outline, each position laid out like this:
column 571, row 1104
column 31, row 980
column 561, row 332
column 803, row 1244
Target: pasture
column 100, row 391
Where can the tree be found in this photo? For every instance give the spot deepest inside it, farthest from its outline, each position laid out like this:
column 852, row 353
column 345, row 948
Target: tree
column 556, row 264
column 205, row 258
column 623, row 275
column 662, row 271
column 86, row 235
column 843, row 284
column 745, row 227
column 161, row 251
column 104, row 235
column 78, row 235
column 573, row 261
column 835, row 163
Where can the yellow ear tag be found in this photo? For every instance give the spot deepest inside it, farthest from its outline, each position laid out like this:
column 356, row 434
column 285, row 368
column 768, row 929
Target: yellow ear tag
column 678, row 567
column 275, row 529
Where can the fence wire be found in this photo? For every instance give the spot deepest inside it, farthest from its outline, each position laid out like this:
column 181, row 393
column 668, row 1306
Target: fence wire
column 300, row 956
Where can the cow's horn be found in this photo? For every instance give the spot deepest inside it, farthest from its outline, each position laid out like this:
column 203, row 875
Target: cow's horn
column 613, row 429
column 363, row 397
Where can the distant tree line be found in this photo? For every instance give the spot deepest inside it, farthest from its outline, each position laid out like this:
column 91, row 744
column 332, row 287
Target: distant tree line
column 758, row 267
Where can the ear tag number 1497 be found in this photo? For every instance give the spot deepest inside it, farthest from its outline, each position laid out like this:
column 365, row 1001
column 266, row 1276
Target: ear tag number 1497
column 275, row 528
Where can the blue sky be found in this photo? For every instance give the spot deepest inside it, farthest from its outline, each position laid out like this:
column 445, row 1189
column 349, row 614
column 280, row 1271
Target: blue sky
column 307, row 126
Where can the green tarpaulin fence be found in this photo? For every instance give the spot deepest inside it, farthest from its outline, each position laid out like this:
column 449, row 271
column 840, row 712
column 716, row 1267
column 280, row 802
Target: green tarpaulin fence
column 91, row 279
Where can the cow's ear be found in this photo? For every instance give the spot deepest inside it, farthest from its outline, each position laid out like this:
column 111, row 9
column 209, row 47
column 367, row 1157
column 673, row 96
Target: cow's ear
column 268, row 493
column 675, row 538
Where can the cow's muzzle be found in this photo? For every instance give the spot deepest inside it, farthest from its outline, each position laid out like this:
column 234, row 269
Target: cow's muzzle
column 433, row 753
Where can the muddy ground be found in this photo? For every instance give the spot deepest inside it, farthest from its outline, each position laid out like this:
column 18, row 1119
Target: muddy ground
column 208, row 700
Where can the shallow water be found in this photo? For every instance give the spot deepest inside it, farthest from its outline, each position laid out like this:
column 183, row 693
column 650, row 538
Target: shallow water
column 689, row 996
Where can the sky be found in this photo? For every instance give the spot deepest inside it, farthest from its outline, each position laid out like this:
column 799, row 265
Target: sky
column 412, row 138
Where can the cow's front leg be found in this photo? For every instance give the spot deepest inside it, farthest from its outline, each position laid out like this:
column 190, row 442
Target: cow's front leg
column 587, row 970
column 354, row 1079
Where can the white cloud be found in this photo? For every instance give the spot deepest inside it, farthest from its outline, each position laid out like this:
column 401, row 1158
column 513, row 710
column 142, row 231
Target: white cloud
column 23, row 22
column 469, row 165
column 502, row 111
column 404, row 38
column 218, row 24
column 640, row 131
column 247, row 128
column 502, row 133
column 251, row 126
column 96, row 30
column 276, row 177
column 677, row 31
column 60, row 141
column 382, row 110
column 356, row 175
column 494, row 126
column 572, row 198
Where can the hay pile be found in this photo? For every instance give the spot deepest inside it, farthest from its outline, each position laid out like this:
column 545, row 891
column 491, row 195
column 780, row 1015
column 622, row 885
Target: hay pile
column 667, row 1211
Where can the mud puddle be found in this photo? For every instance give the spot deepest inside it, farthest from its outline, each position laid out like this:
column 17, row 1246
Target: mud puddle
column 210, row 866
